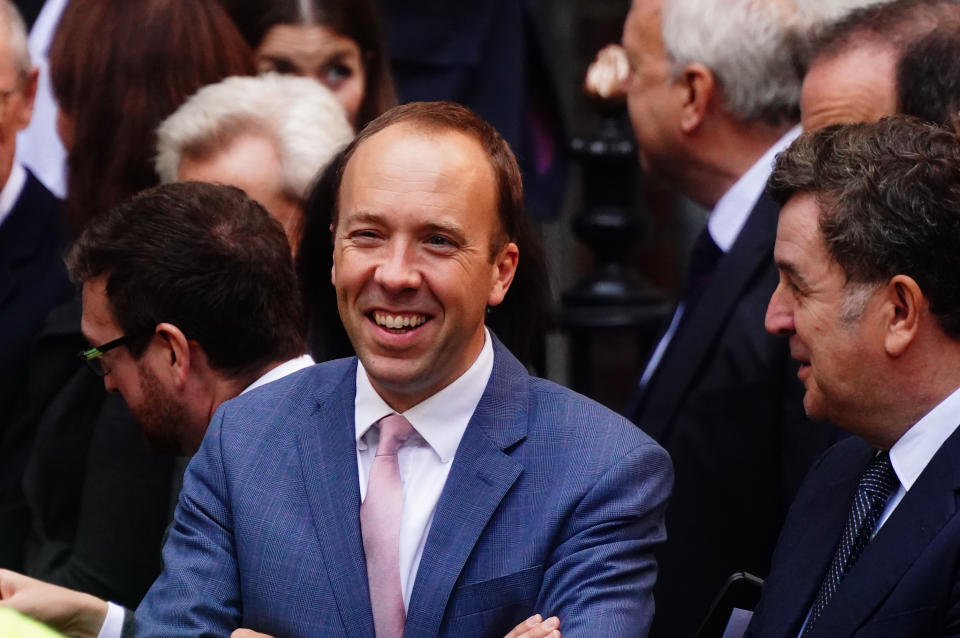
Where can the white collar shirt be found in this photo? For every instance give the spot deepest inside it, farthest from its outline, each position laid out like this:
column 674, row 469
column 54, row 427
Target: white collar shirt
column 732, row 210
column 427, row 456
column 725, row 222
column 282, row 370
column 912, row 452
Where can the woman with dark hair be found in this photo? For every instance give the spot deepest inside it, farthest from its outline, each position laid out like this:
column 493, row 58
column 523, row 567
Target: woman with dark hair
column 338, row 42
column 118, row 68
column 95, row 501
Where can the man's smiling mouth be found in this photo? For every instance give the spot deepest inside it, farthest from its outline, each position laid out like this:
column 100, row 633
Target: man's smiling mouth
column 401, row 322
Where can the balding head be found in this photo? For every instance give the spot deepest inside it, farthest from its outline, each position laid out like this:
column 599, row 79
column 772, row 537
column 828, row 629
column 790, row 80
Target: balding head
column 853, row 65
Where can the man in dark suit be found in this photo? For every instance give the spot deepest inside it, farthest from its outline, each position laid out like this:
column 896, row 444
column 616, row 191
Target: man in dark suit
column 710, row 112
column 869, row 300
column 32, row 277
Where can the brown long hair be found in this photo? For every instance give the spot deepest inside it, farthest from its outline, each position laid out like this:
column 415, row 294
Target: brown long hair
column 118, row 68
column 358, row 20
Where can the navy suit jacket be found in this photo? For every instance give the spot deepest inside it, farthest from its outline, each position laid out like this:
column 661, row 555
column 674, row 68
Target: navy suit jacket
column 907, row 580
column 726, row 404
column 33, row 280
column 553, row 505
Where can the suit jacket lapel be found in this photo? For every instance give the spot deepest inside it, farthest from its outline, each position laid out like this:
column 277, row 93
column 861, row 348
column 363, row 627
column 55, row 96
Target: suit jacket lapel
column 479, row 478
column 808, row 549
column 328, row 457
column 751, row 252
column 920, row 516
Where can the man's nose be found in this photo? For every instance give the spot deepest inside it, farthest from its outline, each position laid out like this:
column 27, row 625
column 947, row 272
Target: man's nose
column 399, row 269
column 779, row 319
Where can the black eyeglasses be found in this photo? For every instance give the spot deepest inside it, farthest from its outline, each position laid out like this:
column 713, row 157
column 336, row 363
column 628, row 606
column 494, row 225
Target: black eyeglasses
column 92, row 356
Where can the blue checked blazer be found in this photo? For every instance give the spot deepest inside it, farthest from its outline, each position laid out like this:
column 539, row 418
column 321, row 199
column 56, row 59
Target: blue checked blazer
column 553, row 504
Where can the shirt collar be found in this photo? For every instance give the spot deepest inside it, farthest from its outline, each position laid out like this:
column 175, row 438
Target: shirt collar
column 910, row 455
column 731, row 212
column 282, row 370
column 440, row 419
column 11, row 190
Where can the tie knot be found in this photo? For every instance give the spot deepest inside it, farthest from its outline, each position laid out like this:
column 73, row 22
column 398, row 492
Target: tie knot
column 394, row 431
column 878, row 478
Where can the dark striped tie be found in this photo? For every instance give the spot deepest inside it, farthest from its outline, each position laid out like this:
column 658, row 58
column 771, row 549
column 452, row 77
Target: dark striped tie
column 877, row 483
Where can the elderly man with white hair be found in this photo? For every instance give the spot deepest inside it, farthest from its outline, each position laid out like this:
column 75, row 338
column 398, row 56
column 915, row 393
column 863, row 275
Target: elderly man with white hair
column 268, row 135
column 713, row 95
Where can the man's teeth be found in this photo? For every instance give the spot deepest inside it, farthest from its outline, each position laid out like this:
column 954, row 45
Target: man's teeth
column 395, row 322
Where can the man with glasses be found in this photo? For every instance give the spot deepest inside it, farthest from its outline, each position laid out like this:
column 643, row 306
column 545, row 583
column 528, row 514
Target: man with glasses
column 189, row 298
column 32, row 278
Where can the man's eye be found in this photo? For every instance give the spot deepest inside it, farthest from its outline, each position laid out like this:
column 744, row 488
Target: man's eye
column 365, row 236
column 439, row 240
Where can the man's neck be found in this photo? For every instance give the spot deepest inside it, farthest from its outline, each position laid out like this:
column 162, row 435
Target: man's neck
column 921, row 385
column 724, row 154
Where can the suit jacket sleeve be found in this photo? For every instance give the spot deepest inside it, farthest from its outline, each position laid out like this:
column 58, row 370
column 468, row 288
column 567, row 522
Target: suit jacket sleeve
column 198, row 592
column 600, row 579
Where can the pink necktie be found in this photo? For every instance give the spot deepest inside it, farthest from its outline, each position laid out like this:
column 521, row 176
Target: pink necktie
column 380, row 528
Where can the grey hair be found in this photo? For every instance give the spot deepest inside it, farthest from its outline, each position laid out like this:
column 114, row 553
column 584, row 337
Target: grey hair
column 749, row 45
column 16, row 37
column 299, row 115
column 856, row 296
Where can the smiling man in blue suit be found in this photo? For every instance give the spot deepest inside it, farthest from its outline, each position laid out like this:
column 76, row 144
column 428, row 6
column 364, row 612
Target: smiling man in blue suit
column 492, row 496
column 869, row 298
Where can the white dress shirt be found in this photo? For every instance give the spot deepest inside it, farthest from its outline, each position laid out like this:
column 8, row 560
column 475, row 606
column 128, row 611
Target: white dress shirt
column 426, row 457
column 725, row 222
column 113, row 624
column 11, row 190
column 282, row 370
column 911, row 454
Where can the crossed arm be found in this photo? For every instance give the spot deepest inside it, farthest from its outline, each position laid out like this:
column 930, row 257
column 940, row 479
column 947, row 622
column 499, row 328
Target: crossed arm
column 79, row 615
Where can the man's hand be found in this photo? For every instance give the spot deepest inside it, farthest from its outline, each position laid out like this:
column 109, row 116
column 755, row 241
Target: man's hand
column 247, row 633
column 536, row 627
column 70, row 612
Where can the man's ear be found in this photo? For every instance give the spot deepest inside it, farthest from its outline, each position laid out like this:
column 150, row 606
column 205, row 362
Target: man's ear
column 904, row 305
column 174, row 357
column 504, row 268
column 698, row 85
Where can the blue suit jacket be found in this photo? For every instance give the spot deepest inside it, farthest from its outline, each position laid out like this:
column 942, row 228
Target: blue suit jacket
column 906, row 582
column 553, row 504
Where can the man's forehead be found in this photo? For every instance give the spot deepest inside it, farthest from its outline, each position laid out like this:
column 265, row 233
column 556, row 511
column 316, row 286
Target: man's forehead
column 854, row 84
column 403, row 155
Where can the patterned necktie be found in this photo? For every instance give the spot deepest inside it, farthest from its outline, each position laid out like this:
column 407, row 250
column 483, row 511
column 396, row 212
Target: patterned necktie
column 877, row 483
column 380, row 528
